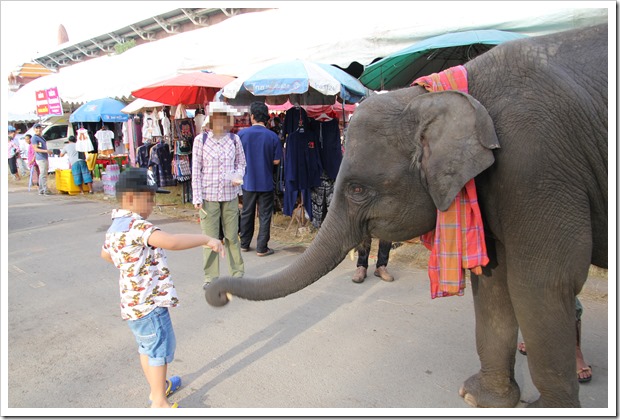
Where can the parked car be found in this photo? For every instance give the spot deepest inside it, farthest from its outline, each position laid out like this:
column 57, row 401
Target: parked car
column 56, row 131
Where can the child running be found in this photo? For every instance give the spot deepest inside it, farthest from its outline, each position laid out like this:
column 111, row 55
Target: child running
column 136, row 247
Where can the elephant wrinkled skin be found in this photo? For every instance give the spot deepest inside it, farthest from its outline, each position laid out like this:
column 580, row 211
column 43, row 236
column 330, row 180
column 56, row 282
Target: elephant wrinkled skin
column 533, row 133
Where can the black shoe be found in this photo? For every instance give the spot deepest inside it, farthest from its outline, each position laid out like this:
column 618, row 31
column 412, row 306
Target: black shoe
column 245, row 249
column 264, row 254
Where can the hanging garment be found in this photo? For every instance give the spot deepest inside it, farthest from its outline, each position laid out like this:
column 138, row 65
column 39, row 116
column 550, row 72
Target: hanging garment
column 83, row 143
column 161, row 164
column 180, row 112
column 182, row 168
column 321, row 199
column 143, row 155
column 296, row 119
column 150, row 128
column 198, row 120
column 165, row 122
column 328, row 145
column 302, row 169
column 125, row 133
column 104, row 140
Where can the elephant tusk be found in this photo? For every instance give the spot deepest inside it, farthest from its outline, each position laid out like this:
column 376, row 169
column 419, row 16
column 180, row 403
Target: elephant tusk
column 229, row 296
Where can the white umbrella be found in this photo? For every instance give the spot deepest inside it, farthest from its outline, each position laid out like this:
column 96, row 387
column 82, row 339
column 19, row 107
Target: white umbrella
column 141, row 104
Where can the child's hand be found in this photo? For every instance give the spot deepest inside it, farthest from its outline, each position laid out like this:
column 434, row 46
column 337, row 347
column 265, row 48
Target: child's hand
column 216, row 246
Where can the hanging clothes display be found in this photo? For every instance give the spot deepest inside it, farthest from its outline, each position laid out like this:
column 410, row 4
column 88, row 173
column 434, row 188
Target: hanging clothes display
column 327, row 130
column 199, row 118
column 150, row 126
column 125, row 135
column 166, row 125
column 143, row 154
column 104, row 140
column 302, row 169
column 160, row 163
column 83, row 143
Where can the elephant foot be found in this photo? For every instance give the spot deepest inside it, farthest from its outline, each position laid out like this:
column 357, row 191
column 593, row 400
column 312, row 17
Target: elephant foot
column 479, row 391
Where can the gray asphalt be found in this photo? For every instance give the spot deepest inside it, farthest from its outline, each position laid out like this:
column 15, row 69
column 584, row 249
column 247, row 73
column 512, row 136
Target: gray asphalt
column 335, row 348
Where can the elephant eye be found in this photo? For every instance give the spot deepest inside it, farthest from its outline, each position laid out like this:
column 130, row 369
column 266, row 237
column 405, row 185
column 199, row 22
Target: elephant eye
column 358, row 193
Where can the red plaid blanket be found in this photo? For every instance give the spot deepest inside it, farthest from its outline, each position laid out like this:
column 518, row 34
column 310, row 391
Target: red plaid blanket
column 457, row 242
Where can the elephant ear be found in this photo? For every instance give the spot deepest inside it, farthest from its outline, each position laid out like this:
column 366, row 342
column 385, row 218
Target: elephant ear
column 455, row 135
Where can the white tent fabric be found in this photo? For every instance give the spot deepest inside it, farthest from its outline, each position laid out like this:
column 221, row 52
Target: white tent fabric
column 333, row 33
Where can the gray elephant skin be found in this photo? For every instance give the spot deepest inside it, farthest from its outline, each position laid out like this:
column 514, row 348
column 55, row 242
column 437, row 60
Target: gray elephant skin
column 533, row 133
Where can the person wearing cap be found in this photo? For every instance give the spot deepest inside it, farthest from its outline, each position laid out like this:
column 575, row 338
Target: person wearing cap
column 79, row 168
column 41, row 156
column 13, row 154
column 218, row 166
column 136, row 247
column 263, row 152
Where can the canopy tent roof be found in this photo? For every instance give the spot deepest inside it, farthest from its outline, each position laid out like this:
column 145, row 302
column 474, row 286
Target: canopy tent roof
column 224, row 48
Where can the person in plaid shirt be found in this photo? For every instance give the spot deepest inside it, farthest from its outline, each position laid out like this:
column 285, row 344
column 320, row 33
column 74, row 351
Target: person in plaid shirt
column 218, row 166
column 136, row 247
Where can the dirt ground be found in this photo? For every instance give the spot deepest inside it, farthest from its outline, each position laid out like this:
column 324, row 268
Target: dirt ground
column 288, row 232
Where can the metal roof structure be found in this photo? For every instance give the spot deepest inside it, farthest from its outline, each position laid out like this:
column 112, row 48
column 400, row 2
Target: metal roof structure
column 151, row 29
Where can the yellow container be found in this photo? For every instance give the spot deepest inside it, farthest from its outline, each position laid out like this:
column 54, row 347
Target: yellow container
column 65, row 182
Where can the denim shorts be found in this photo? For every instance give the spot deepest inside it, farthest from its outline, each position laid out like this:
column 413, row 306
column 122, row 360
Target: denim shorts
column 155, row 336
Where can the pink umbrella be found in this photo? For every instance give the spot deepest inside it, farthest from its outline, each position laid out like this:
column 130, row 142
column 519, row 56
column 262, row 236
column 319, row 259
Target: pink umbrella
column 316, row 110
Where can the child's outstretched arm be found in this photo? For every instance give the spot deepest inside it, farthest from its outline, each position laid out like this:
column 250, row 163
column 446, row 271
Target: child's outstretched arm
column 182, row 241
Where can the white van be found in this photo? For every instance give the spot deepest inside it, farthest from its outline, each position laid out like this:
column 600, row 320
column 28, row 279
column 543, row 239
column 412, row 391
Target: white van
column 56, row 131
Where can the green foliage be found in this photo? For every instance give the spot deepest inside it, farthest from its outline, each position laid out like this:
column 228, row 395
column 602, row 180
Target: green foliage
column 121, row 48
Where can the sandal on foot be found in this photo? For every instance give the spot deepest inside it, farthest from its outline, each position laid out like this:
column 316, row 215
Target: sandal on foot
column 582, row 370
column 521, row 348
column 172, row 384
column 175, row 405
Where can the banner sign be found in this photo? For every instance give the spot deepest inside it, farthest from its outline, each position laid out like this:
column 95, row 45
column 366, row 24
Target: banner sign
column 48, row 102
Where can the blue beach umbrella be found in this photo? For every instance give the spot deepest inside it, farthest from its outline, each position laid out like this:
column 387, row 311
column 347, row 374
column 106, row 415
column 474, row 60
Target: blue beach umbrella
column 431, row 55
column 301, row 81
column 104, row 110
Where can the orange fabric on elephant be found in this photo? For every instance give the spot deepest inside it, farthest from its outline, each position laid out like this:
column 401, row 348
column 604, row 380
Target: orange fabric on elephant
column 457, row 242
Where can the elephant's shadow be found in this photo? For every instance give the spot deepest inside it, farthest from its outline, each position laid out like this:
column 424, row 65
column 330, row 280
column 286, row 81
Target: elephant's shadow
column 277, row 334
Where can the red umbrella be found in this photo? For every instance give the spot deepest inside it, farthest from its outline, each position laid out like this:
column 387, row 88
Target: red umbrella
column 196, row 88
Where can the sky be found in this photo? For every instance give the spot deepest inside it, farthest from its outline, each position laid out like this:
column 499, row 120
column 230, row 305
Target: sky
column 30, row 27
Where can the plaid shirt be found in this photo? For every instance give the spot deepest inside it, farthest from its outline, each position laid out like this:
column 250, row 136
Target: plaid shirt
column 212, row 165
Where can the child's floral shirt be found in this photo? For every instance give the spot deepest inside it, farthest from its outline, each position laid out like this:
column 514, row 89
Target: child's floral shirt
column 145, row 281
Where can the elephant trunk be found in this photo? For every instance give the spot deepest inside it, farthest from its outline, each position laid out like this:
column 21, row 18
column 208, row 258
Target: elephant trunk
column 327, row 250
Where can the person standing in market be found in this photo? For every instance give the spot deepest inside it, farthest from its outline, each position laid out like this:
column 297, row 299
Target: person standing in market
column 218, row 167
column 42, row 158
column 32, row 163
column 79, row 169
column 14, row 155
column 383, row 255
column 263, row 151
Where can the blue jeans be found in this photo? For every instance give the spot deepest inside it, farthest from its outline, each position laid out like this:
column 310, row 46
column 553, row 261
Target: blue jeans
column 155, row 336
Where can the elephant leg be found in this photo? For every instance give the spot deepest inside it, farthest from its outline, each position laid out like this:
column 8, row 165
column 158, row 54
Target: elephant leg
column 496, row 337
column 548, row 327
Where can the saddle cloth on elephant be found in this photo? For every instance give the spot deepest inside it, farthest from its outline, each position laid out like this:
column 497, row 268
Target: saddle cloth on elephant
column 457, row 242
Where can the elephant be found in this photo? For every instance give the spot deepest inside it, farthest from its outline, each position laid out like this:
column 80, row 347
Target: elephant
column 532, row 133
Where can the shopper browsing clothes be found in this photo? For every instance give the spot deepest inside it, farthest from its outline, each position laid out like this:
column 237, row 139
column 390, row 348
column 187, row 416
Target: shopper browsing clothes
column 136, row 246
column 218, row 166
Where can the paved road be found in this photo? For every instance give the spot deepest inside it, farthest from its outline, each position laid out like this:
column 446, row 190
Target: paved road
column 335, row 345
